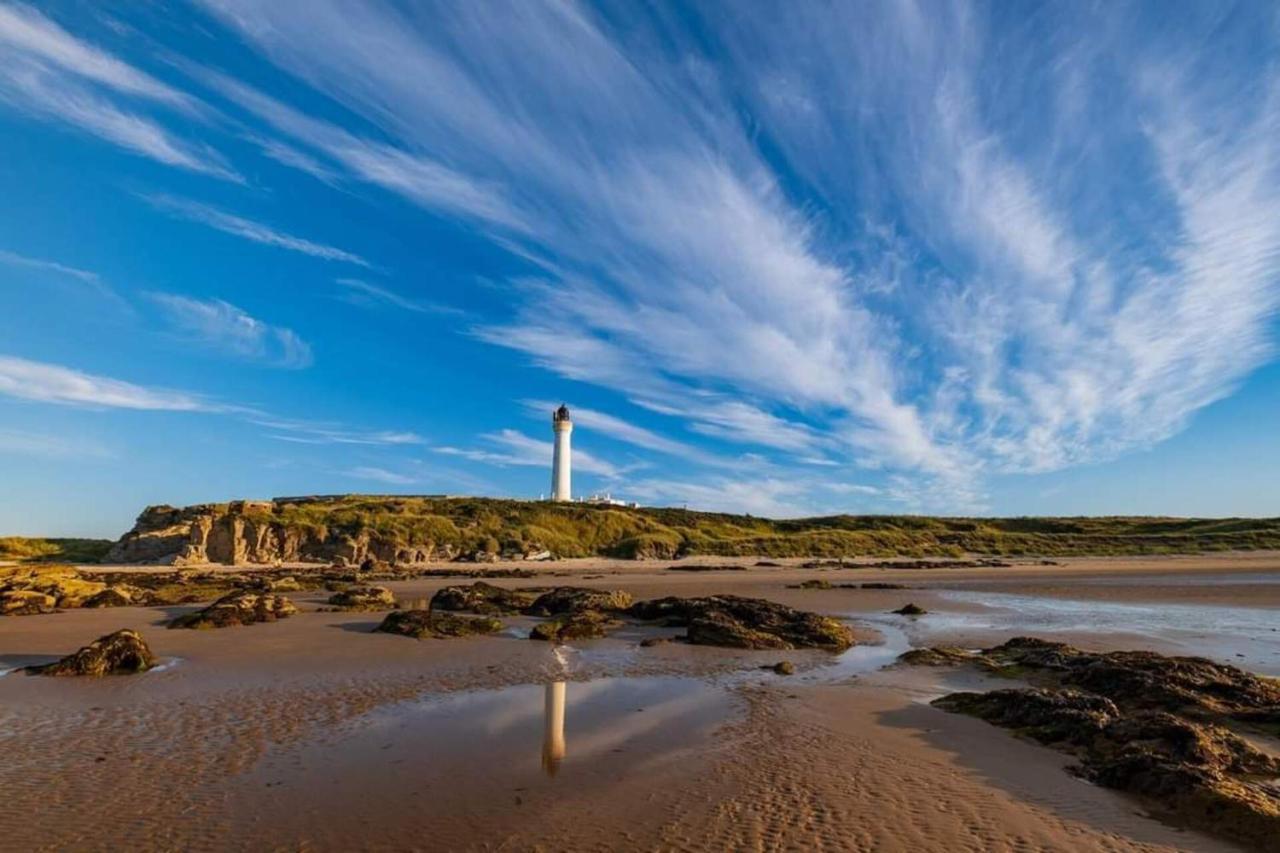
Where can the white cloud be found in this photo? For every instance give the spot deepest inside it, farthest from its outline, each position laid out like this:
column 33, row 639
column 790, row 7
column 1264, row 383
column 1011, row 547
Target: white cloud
column 51, row 266
column 248, row 229
column 225, row 327
column 48, row 73
column 310, row 432
column 52, row 383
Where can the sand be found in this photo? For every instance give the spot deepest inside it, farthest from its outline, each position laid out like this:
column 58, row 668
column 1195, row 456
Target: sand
column 314, row 734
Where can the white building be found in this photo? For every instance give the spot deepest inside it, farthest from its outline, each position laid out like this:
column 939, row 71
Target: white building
column 561, row 461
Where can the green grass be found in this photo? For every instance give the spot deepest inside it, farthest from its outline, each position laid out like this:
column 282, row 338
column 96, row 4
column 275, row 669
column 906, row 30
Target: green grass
column 25, row 549
column 578, row 530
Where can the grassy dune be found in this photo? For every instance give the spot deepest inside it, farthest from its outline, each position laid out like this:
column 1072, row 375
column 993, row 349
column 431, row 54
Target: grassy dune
column 27, row 549
column 576, row 530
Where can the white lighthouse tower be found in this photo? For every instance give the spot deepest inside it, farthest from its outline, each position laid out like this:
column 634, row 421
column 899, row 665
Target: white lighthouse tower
column 561, row 459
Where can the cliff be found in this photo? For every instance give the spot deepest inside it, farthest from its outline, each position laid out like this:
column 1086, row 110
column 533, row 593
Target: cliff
column 403, row 529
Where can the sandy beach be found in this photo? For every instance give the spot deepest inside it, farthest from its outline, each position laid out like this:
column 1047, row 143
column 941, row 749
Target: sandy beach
column 312, row 733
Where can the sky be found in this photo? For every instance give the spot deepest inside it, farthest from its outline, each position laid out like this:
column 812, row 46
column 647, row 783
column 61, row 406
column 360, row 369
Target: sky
column 875, row 257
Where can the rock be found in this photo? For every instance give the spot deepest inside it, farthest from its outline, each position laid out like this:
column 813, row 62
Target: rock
column 814, row 584
column 938, row 656
column 649, row 642
column 26, row 602
column 112, row 596
column 749, row 623
column 285, row 584
column 1201, row 774
column 539, row 556
column 588, row 624
column 422, row 624
column 481, row 597
column 574, row 599
column 364, row 598
column 1049, row 716
column 784, row 667
column 881, row 585
column 244, row 607
column 910, row 610
column 121, row 653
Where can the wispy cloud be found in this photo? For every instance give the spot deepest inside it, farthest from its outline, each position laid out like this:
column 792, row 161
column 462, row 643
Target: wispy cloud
column 15, row 259
column 256, row 232
column 52, row 383
column 23, row 443
column 310, row 432
column 48, row 73
column 222, row 326
column 360, row 292
column 515, row 448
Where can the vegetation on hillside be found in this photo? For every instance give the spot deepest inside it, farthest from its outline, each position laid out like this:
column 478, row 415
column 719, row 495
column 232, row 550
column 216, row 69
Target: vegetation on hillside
column 26, row 549
column 579, row 530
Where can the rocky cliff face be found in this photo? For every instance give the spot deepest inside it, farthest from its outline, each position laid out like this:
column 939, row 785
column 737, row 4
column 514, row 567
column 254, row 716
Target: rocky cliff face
column 248, row 533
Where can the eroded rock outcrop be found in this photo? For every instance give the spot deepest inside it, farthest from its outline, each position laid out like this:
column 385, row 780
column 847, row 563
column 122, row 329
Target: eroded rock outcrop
column 243, row 607
column 747, row 623
column 64, row 584
column 121, row 653
column 427, row 624
column 1161, row 727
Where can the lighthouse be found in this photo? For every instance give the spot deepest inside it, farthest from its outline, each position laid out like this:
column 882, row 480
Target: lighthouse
column 560, row 460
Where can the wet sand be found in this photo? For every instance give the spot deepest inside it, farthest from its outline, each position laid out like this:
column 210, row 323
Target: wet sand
column 313, row 734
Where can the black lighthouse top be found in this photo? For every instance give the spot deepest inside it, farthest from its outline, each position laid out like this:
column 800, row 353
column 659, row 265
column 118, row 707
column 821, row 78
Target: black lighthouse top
column 560, row 414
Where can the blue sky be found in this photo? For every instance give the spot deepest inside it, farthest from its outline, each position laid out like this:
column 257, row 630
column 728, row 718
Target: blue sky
column 868, row 257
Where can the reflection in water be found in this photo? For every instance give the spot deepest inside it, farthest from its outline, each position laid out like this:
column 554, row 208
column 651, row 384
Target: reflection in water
column 553, row 728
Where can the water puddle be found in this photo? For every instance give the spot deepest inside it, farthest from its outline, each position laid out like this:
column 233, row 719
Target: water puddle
column 1245, row 636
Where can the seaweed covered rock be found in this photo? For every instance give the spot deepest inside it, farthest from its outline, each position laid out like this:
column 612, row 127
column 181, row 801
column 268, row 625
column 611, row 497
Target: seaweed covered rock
column 1200, row 773
column 589, row 624
column 939, row 656
column 244, row 607
column 122, row 595
column 1049, row 716
column 576, row 599
column 364, row 598
column 423, row 624
column 747, row 623
column 26, row 602
column 812, row 584
column 910, row 609
column 481, row 597
column 121, row 653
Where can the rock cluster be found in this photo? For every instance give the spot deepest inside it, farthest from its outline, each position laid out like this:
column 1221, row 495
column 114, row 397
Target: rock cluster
column 585, row 625
column 243, row 607
column 1152, row 725
column 42, row 588
column 423, row 624
column 577, row 599
column 120, row 653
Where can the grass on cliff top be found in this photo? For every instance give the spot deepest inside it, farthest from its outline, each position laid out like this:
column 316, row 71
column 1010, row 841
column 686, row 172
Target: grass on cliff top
column 579, row 530
column 27, row 549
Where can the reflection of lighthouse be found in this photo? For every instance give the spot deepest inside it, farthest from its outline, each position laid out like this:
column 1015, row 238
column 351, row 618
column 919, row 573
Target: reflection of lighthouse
column 560, row 460
column 553, row 734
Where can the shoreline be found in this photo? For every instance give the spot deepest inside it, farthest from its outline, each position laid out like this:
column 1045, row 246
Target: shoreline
column 352, row 734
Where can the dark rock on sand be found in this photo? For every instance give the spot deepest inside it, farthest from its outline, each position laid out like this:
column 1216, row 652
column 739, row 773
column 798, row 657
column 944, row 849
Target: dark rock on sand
column 589, row 624
column 814, row 584
column 424, row 624
column 121, row 653
column 784, row 667
column 747, row 623
column 650, row 642
column 481, row 597
column 364, row 598
column 1141, row 722
column 910, row 610
column 575, row 599
column 238, row 608
column 940, row 656
column 1199, row 773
